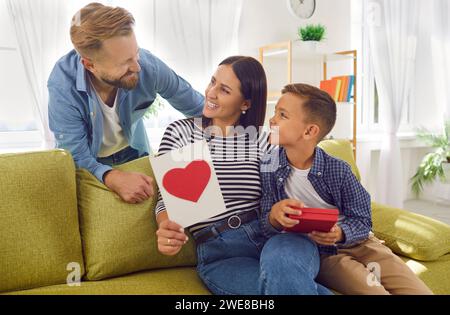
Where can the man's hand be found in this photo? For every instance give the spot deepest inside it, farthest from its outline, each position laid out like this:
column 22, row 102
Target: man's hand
column 130, row 186
column 278, row 216
column 171, row 237
column 331, row 238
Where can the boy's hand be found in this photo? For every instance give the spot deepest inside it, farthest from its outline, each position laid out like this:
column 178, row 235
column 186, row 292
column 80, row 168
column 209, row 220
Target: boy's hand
column 330, row 238
column 278, row 216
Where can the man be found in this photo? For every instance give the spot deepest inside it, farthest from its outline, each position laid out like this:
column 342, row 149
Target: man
column 99, row 92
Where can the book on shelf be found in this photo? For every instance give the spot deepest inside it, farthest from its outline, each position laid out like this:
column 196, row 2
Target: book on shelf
column 350, row 93
column 341, row 93
column 332, row 87
column 339, row 88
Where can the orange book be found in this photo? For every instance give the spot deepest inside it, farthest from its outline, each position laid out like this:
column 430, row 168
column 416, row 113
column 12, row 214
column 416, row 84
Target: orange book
column 329, row 86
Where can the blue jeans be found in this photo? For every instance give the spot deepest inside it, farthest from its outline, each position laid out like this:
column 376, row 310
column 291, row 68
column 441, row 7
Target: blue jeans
column 241, row 262
column 123, row 156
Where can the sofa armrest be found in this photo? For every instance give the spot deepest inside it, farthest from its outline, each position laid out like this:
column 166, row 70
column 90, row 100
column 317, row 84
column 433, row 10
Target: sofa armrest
column 410, row 234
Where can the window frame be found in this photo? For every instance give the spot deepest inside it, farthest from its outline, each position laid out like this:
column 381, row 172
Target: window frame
column 18, row 141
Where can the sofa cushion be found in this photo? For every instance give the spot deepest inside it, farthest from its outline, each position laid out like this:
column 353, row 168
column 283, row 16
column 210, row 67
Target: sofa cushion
column 410, row 234
column 435, row 274
column 119, row 238
column 176, row 281
column 39, row 232
column 341, row 149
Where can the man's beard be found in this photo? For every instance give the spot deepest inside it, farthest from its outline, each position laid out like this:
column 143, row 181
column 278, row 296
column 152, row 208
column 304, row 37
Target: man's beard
column 128, row 81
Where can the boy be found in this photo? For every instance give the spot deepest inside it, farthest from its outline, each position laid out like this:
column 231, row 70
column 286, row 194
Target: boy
column 300, row 173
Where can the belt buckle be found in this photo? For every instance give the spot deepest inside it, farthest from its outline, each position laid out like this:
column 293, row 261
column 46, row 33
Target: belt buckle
column 232, row 226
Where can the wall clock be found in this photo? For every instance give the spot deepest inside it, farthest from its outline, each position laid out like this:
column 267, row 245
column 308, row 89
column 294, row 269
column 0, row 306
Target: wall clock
column 303, row 9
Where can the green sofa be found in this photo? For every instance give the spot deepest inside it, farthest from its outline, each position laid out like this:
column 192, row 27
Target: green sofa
column 59, row 225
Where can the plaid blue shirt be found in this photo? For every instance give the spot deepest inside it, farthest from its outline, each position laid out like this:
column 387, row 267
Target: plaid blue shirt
column 333, row 181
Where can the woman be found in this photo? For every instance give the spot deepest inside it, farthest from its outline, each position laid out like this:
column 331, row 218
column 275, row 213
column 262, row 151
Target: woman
column 233, row 255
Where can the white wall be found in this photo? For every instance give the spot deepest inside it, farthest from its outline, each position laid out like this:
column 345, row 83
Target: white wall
column 264, row 22
column 268, row 21
column 367, row 159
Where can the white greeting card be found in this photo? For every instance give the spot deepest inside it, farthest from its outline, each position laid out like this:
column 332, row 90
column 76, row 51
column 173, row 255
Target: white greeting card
column 188, row 184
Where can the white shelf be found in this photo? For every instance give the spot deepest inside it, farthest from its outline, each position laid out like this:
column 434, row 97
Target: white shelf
column 301, row 53
column 273, row 96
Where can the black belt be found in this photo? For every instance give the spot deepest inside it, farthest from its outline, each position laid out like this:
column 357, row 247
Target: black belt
column 233, row 222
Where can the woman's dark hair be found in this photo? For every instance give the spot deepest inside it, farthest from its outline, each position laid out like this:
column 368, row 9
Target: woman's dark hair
column 253, row 88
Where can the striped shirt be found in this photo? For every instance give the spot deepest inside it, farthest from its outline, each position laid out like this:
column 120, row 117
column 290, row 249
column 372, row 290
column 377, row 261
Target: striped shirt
column 236, row 161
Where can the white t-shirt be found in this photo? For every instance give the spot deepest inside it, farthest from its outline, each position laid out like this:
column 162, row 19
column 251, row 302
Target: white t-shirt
column 299, row 187
column 113, row 138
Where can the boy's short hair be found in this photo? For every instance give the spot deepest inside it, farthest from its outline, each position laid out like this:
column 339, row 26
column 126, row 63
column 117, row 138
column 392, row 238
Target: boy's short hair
column 318, row 105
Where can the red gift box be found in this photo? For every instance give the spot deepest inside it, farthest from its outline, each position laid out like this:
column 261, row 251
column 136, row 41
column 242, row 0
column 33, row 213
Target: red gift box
column 314, row 219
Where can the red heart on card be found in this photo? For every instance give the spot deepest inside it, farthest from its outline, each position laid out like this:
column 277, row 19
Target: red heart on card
column 188, row 183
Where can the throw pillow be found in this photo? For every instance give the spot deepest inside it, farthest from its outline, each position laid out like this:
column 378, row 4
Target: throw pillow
column 119, row 238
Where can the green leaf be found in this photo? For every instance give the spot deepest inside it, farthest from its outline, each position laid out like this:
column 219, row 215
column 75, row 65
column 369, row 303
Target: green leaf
column 155, row 107
column 430, row 167
column 312, row 32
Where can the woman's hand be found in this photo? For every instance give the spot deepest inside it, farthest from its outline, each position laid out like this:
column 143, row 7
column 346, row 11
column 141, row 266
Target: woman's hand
column 278, row 216
column 171, row 237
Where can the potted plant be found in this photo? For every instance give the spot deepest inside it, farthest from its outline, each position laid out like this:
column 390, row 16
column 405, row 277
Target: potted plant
column 435, row 164
column 312, row 34
column 153, row 109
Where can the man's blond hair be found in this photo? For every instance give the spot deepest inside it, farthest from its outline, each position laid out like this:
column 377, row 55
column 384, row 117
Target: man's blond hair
column 95, row 23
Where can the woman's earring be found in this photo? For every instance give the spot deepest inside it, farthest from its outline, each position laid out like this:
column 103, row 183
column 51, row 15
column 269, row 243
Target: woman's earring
column 244, row 112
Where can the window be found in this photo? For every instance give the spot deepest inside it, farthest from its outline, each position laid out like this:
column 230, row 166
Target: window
column 369, row 112
column 18, row 124
column 16, row 110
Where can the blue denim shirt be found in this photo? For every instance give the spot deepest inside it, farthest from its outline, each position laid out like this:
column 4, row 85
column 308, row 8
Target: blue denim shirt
column 76, row 119
column 334, row 182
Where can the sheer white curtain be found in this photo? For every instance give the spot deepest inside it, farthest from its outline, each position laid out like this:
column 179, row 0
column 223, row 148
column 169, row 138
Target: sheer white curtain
column 41, row 29
column 441, row 54
column 393, row 36
column 193, row 36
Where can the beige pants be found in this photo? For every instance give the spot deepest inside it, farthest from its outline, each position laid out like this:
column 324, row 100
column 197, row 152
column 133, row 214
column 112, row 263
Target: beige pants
column 348, row 271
